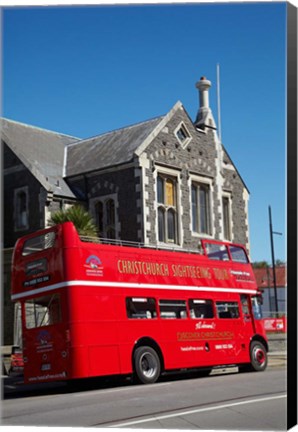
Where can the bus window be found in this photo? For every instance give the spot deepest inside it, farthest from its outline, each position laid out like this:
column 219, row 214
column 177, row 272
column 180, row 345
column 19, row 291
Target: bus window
column 200, row 308
column 238, row 254
column 227, row 309
column 244, row 304
column 39, row 243
column 139, row 307
column 172, row 309
column 217, row 251
column 43, row 311
column 256, row 307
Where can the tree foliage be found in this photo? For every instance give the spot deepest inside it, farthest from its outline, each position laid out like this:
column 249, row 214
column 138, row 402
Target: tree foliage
column 260, row 264
column 81, row 219
column 265, row 264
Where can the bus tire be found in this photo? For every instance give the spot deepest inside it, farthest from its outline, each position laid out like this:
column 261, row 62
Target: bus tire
column 258, row 356
column 147, row 365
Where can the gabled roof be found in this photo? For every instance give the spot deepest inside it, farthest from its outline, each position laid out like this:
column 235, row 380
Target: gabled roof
column 41, row 151
column 107, row 150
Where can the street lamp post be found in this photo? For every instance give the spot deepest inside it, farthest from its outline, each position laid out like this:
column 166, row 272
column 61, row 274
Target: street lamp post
column 273, row 259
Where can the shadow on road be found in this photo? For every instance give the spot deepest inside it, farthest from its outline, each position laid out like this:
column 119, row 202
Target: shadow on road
column 14, row 387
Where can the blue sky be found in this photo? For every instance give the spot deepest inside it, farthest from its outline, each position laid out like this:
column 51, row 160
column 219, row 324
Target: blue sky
column 85, row 70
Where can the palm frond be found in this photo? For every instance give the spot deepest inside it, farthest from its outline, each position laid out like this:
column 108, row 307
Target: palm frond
column 81, row 219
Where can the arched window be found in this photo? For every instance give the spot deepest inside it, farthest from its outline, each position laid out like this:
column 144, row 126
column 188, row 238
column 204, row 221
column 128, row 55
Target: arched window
column 99, row 217
column 105, row 216
column 21, row 209
column 110, row 209
column 110, row 219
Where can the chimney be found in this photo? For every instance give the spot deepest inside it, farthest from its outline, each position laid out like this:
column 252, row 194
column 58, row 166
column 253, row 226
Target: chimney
column 204, row 110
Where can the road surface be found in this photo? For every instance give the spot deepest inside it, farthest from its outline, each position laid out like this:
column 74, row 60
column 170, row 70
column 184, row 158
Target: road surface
column 251, row 401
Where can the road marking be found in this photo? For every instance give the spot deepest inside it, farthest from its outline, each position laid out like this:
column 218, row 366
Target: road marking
column 195, row 411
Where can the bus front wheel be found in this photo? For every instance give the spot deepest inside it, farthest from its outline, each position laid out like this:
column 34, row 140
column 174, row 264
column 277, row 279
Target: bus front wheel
column 146, row 364
column 258, row 356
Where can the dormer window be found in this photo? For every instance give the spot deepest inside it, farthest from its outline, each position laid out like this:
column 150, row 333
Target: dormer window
column 183, row 135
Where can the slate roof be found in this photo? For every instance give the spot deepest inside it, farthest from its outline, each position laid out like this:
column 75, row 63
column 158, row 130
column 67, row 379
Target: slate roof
column 107, row 150
column 41, row 151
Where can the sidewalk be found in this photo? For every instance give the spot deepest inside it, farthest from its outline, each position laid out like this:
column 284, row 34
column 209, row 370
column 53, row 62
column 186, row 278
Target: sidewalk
column 277, row 358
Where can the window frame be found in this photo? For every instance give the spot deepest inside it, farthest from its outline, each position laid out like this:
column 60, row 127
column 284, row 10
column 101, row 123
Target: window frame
column 178, row 306
column 228, row 304
column 196, row 183
column 227, row 218
column 129, row 301
column 19, row 214
column 165, row 209
column 37, row 310
column 217, row 251
column 208, row 302
column 233, row 251
column 183, row 141
column 108, row 226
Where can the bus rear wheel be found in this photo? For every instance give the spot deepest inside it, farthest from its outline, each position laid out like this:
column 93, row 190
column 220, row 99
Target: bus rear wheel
column 147, row 365
column 258, row 356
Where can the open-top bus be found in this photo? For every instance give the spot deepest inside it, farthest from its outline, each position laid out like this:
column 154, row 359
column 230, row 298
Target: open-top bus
column 91, row 309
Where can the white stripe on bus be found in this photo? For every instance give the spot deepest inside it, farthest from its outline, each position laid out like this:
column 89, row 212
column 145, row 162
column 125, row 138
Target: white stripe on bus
column 129, row 285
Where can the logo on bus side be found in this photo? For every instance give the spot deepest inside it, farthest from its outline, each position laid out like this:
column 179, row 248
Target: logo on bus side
column 242, row 276
column 204, row 325
column 44, row 341
column 93, row 266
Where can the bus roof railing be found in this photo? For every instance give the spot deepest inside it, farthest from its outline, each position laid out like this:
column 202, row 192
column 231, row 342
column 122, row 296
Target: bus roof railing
column 127, row 243
column 220, row 255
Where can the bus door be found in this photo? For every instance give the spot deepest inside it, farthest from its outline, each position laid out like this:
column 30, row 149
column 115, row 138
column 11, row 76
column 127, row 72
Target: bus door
column 227, row 343
column 45, row 349
column 247, row 318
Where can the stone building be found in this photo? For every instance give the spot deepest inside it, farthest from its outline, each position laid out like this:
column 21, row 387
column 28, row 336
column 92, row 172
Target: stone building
column 167, row 181
column 33, row 187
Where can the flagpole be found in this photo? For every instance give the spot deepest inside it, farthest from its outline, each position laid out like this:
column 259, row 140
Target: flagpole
column 218, row 103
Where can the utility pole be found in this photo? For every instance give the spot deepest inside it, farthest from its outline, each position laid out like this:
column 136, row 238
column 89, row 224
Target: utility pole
column 273, row 259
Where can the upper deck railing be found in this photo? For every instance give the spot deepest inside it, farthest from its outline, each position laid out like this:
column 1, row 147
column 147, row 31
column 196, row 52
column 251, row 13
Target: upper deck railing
column 213, row 249
column 139, row 245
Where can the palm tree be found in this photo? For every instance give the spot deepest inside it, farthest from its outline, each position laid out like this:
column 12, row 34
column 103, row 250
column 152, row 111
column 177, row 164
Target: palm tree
column 81, row 219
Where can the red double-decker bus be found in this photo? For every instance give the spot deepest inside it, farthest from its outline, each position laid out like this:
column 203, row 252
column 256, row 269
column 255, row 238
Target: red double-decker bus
column 92, row 309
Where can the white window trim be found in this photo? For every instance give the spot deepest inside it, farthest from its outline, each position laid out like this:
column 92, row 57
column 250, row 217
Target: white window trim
column 184, row 143
column 103, row 199
column 193, row 178
column 177, row 175
column 229, row 196
column 24, row 189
